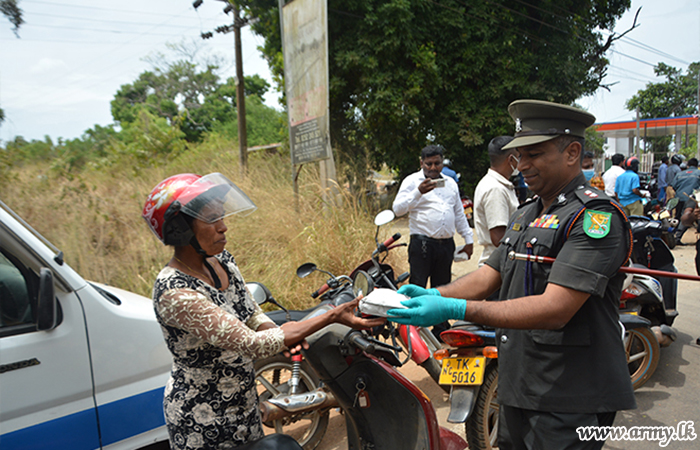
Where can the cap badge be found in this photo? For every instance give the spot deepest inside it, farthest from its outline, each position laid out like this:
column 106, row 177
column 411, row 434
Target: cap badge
column 518, row 126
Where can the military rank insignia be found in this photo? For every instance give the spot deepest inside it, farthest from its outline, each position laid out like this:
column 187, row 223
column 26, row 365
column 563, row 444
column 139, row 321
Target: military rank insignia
column 546, row 221
column 596, row 224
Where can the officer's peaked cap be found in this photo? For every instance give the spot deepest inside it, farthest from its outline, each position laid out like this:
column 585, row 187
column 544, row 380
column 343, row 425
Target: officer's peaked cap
column 539, row 121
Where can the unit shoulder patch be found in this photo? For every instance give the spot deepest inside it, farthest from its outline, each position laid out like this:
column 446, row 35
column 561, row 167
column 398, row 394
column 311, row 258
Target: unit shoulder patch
column 596, row 224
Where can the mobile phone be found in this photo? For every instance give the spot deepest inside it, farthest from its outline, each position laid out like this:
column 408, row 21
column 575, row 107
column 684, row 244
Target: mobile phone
column 439, row 182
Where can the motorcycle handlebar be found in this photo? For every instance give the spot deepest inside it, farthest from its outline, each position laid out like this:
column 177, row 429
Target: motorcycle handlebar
column 320, row 290
column 383, row 246
column 357, row 339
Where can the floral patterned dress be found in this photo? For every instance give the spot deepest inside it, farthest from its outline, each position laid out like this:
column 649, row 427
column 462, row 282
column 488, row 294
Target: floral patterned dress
column 210, row 400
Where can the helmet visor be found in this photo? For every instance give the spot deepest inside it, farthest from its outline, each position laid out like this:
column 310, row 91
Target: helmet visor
column 213, row 197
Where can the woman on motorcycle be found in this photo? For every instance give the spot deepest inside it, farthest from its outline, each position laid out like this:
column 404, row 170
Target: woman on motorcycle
column 210, row 323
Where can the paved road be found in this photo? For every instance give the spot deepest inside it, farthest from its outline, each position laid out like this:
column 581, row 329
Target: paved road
column 671, row 396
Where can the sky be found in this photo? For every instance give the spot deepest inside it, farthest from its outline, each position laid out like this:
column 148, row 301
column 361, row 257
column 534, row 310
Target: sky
column 72, row 56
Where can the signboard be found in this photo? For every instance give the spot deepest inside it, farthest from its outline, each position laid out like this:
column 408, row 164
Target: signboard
column 305, row 46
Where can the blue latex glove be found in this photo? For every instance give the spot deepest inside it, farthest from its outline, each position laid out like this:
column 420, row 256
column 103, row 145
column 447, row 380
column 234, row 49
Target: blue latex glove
column 411, row 290
column 428, row 310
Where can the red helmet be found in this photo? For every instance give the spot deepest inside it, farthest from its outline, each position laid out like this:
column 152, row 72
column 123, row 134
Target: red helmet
column 208, row 198
column 632, row 163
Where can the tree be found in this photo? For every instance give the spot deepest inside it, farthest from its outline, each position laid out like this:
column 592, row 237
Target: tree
column 11, row 10
column 677, row 96
column 193, row 99
column 407, row 72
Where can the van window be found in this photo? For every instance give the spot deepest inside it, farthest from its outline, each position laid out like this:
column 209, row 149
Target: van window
column 15, row 295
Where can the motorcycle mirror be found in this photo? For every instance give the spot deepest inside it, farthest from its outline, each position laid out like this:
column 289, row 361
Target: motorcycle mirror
column 305, row 269
column 384, row 217
column 362, row 283
column 260, row 293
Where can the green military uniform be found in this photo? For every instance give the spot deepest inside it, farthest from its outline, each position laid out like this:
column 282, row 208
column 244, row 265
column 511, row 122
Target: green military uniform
column 582, row 367
column 576, row 374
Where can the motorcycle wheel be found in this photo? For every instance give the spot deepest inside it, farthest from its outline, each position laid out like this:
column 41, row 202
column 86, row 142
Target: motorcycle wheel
column 272, row 376
column 642, row 350
column 482, row 426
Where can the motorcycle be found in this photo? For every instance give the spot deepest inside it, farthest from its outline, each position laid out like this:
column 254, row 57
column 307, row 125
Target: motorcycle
column 290, row 384
column 358, row 371
column 420, row 343
column 470, row 368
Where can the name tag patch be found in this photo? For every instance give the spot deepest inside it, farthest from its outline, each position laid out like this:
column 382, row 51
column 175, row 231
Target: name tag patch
column 546, row 221
column 596, row 224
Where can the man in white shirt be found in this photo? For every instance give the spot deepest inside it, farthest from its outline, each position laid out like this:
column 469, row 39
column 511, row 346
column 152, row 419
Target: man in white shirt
column 494, row 198
column 612, row 173
column 435, row 211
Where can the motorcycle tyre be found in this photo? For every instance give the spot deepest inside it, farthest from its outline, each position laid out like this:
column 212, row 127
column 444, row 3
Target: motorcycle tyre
column 646, row 338
column 319, row 421
column 669, row 239
column 482, row 425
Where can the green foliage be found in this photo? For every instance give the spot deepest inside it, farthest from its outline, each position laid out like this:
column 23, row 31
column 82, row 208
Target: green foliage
column 594, row 141
column 407, row 72
column 11, row 10
column 676, row 96
column 185, row 96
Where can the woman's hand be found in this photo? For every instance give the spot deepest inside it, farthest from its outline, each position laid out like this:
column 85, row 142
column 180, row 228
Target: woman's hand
column 296, row 332
column 345, row 314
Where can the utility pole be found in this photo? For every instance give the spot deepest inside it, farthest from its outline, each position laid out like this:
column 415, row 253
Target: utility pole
column 240, row 93
column 236, row 26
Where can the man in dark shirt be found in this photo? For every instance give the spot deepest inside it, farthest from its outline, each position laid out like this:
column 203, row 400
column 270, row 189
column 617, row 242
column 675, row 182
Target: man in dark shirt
column 561, row 360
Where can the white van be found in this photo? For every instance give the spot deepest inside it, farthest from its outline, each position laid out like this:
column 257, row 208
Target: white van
column 82, row 365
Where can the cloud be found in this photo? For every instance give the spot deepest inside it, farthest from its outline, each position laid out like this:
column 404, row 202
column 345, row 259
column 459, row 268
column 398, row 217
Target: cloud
column 47, row 65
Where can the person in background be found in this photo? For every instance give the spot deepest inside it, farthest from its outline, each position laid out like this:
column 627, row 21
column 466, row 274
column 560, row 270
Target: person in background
column 671, row 173
column 615, row 170
column 627, row 188
column 684, row 184
column 561, row 360
column 211, row 325
column 588, row 169
column 447, row 170
column 494, row 197
column 661, row 180
column 691, row 218
column 435, row 212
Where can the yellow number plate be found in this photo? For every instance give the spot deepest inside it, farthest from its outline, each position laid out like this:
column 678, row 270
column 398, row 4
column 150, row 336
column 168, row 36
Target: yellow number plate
column 465, row 371
column 467, row 210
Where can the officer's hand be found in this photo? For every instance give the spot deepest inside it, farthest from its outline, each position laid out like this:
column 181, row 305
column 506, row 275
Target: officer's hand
column 696, row 213
column 427, row 185
column 412, row 290
column 428, row 310
column 468, row 249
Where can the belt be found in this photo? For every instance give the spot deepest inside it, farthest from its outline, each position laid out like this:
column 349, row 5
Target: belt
column 421, row 237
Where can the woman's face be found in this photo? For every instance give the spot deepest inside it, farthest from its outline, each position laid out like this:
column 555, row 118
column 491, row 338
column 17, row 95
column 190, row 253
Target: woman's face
column 211, row 235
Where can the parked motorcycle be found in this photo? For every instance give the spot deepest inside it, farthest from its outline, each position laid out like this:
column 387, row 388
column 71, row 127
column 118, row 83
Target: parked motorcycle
column 291, row 384
column 420, row 343
column 357, row 372
column 470, row 368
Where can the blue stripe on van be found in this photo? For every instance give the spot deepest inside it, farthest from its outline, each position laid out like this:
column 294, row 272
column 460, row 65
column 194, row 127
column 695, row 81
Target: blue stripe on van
column 120, row 420
column 76, row 431
column 131, row 416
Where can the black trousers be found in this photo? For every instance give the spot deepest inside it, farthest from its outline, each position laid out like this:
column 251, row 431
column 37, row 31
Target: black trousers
column 523, row 429
column 430, row 259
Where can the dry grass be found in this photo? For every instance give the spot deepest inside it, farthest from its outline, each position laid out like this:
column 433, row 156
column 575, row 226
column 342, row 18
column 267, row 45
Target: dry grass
column 94, row 218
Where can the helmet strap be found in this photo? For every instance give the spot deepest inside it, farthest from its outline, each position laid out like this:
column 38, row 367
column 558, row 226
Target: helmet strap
column 198, row 248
